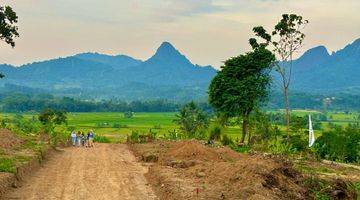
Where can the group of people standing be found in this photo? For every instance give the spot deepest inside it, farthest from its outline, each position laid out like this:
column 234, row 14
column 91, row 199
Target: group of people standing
column 81, row 140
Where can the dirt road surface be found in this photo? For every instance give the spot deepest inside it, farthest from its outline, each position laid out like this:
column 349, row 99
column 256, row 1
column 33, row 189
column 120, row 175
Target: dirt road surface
column 107, row 171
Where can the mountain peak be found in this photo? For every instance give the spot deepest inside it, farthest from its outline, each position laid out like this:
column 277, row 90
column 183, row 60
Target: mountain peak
column 167, row 45
column 316, row 53
column 167, row 53
column 166, row 49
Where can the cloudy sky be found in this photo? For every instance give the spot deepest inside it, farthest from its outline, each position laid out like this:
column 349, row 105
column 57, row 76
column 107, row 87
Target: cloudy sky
column 206, row 31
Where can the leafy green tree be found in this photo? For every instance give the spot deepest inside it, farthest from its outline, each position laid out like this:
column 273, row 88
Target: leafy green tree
column 339, row 144
column 191, row 119
column 50, row 118
column 286, row 38
column 8, row 29
column 241, row 85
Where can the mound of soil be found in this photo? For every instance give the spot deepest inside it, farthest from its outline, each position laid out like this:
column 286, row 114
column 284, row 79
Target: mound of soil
column 191, row 170
column 9, row 139
column 191, row 150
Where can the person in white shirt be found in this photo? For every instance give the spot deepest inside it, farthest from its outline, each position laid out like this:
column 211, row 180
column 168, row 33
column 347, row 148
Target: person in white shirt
column 73, row 138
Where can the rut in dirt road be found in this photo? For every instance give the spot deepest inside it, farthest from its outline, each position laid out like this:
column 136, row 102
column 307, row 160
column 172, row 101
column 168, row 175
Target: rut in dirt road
column 107, row 171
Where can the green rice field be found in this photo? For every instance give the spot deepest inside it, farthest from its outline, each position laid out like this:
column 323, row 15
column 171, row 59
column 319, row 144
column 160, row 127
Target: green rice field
column 116, row 127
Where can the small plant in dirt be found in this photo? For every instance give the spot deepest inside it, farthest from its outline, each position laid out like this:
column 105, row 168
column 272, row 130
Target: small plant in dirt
column 191, row 119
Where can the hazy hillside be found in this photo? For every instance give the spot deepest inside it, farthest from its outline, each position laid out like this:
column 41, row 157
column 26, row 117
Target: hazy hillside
column 317, row 71
column 170, row 75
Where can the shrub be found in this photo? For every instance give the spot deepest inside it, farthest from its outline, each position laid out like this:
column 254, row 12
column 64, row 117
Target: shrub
column 298, row 143
column 279, row 146
column 157, row 126
column 357, row 187
column 215, row 133
column 226, row 140
column 152, row 133
column 128, row 114
column 22, row 125
column 200, row 134
column 192, row 120
column 7, row 165
column 173, row 135
column 339, row 145
column 134, row 137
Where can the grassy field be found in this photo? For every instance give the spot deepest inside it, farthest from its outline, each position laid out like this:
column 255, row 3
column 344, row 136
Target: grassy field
column 116, row 127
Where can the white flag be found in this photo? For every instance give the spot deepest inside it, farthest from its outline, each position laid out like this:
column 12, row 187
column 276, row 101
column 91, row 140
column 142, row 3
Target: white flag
column 311, row 133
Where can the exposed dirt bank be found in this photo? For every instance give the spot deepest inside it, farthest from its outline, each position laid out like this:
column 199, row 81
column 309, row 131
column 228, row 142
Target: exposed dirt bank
column 190, row 170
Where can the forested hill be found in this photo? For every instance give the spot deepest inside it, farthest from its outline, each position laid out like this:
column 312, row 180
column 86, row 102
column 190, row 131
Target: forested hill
column 166, row 75
column 319, row 72
column 169, row 75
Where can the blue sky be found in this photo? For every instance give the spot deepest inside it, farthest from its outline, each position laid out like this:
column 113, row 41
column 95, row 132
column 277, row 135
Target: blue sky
column 206, row 31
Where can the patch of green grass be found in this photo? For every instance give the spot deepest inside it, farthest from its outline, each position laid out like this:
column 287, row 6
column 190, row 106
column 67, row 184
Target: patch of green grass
column 318, row 188
column 357, row 187
column 7, row 165
column 2, row 151
column 101, row 139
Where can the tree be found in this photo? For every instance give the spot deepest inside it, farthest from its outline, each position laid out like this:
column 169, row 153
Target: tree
column 52, row 117
column 242, row 84
column 8, row 29
column 286, row 38
column 191, row 119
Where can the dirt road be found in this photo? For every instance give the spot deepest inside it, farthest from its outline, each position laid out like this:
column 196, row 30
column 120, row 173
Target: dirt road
column 107, row 171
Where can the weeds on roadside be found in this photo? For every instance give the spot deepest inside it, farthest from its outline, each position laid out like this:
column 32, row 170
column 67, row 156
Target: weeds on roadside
column 7, row 165
column 101, row 139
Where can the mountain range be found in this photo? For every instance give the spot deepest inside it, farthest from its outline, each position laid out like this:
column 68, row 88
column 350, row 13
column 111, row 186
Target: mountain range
column 169, row 75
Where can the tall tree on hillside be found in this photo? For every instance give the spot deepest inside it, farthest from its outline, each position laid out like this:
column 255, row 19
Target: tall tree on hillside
column 242, row 84
column 8, row 29
column 286, row 38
